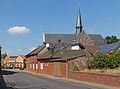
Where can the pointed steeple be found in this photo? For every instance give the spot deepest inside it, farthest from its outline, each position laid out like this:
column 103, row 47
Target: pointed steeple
column 78, row 23
column 43, row 37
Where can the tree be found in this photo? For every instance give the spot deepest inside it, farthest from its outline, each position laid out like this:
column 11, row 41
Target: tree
column 102, row 61
column 115, row 59
column 111, row 39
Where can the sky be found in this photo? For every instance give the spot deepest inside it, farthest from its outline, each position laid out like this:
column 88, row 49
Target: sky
column 22, row 22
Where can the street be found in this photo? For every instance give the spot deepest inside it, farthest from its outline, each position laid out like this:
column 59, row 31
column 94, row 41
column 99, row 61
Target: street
column 21, row 80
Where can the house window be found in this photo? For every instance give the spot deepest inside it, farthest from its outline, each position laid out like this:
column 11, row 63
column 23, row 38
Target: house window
column 41, row 66
column 46, row 64
column 33, row 66
column 36, row 66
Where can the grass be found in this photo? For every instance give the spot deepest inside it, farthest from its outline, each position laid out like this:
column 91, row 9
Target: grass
column 105, row 71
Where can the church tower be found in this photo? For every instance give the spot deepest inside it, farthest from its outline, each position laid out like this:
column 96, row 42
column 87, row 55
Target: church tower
column 78, row 23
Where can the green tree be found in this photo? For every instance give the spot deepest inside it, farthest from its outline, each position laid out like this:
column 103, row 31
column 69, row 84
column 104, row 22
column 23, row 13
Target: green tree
column 101, row 61
column 115, row 59
column 111, row 39
column 98, row 62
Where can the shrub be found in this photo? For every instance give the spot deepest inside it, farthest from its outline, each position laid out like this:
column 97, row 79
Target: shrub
column 98, row 62
column 75, row 67
column 101, row 61
column 114, row 59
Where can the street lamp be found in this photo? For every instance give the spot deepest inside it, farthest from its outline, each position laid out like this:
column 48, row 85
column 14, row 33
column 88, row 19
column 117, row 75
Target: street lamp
column 0, row 59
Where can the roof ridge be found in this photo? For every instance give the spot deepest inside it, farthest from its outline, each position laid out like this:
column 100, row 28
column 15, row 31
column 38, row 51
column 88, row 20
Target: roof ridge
column 95, row 34
column 58, row 34
column 36, row 49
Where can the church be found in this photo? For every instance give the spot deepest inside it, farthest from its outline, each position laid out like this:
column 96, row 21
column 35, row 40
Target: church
column 81, row 36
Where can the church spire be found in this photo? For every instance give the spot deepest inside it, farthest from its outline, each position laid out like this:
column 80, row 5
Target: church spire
column 78, row 23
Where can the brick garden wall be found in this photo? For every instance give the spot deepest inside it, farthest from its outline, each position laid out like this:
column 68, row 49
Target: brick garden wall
column 108, row 79
column 63, row 69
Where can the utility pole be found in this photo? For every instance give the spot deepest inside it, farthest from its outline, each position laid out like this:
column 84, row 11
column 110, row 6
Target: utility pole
column 0, row 60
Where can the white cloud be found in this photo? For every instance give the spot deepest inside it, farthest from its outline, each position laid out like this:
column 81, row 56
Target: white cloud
column 31, row 49
column 18, row 30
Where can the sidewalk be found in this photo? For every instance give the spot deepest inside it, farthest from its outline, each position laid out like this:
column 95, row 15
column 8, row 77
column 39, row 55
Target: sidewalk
column 2, row 83
column 101, row 86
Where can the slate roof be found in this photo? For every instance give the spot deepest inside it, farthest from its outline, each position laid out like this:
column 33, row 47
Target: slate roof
column 45, row 55
column 55, row 38
column 107, row 48
column 36, row 51
column 92, row 48
column 68, row 54
column 64, row 55
column 13, row 56
column 51, row 50
column 67, row 38
column 97, row 39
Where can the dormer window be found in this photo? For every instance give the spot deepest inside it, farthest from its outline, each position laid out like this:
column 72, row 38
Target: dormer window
column 76, row 47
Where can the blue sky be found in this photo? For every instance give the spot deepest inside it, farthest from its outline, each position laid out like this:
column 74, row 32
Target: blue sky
column 53, row 16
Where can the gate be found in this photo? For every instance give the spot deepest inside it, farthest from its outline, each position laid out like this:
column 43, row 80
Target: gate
column 57, row 69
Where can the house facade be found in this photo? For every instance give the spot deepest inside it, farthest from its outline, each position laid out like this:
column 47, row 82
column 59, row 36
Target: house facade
column 20, row 62
column 14, row 61
column 10, row 61
column 31, row 59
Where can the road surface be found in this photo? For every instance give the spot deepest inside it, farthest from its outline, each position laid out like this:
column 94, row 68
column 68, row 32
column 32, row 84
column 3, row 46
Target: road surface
column 22, row 80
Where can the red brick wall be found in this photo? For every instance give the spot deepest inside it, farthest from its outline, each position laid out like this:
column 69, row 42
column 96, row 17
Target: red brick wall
column 47, row 68
column 30, row 61
column 63, row 69
column 50, row 68
column 107, row 79
column 80, row 62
